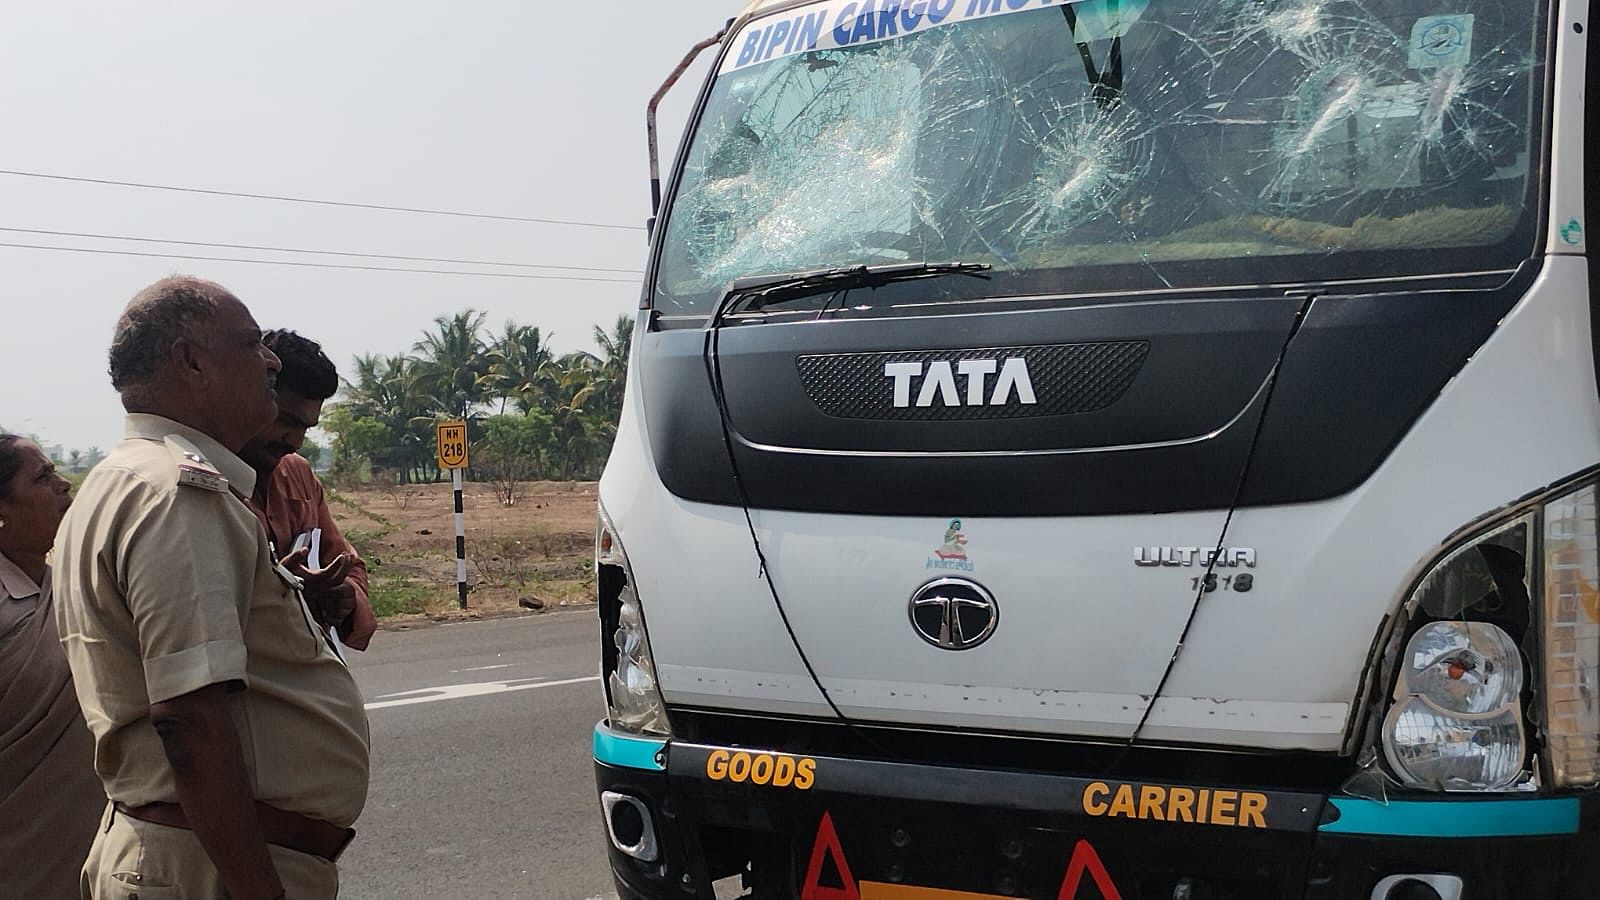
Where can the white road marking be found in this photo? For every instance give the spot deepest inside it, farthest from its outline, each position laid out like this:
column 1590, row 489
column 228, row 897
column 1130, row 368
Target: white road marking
column 481, row 668
column 458, row 691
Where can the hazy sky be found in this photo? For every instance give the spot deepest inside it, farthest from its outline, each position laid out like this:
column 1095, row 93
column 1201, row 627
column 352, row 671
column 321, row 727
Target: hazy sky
column 525, row 108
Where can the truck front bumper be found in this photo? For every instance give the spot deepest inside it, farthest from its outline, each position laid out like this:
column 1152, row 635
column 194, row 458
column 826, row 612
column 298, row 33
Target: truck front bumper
column 681, row 816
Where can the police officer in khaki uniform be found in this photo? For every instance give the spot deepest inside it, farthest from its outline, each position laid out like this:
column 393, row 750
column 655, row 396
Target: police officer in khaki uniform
column 230, row 737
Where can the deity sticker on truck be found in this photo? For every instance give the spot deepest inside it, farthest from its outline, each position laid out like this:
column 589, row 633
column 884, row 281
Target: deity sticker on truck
column 951, row 554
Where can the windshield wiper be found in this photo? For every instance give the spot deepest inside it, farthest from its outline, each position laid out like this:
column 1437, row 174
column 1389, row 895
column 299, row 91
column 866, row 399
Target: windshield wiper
column 762, row 292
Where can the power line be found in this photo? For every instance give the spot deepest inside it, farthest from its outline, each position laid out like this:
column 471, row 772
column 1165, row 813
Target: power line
column 378, row 206
column 312, row 265
column 434, row 259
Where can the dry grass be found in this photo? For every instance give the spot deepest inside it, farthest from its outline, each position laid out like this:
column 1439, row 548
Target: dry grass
column 539, row 549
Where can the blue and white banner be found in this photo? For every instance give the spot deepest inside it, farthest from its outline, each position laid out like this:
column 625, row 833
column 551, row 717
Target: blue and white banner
column 835, row 24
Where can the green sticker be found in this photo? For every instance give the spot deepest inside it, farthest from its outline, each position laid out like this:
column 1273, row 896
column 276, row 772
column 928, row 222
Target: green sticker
column 1572, row 232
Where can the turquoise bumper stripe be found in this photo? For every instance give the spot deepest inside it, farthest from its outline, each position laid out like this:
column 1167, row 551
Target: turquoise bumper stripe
column 1463, row 818
column 627, row 750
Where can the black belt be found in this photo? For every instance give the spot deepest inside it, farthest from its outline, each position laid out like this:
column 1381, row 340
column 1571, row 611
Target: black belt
column 279, row 826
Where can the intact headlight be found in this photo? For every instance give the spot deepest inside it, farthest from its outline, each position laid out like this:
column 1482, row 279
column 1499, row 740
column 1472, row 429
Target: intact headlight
column 633, row 698
column 1429, row 747
column 1500, row 635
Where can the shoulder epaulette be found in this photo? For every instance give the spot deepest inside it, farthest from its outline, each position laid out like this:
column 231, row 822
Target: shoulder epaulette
column 194, row 470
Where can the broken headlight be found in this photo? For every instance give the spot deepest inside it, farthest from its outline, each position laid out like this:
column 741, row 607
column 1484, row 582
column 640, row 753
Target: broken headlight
column 1495, row 654
column 633, row 699
column 1456, row 722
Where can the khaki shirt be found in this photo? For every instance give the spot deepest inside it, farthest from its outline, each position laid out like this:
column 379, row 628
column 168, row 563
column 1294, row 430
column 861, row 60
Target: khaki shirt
column 19, row 597
column 50, row 799
column 165, row 584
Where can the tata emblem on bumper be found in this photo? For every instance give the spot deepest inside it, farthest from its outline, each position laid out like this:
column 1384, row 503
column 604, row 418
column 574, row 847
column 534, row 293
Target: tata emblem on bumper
column 954, row 613
column 1223, row 557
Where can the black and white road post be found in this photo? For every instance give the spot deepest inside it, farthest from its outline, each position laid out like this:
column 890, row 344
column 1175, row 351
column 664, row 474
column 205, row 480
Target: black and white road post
column 461, row 541
column 452, row 440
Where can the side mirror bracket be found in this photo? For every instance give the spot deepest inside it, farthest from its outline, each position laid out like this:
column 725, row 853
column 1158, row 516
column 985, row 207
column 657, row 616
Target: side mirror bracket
column 650, row 116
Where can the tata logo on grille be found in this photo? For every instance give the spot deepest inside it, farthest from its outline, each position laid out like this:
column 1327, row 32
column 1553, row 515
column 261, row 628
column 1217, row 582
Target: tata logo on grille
column 937, row 382
column 954, row 613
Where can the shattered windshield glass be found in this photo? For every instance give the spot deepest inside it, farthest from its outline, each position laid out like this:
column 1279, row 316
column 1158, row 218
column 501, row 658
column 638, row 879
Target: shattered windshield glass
column 1113, row 144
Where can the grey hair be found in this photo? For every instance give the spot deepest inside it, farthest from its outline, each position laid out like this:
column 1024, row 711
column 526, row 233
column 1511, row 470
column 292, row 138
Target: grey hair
column 157, row 317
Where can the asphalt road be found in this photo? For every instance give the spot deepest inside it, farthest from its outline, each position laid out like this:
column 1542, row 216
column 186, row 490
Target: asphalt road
column 482, row 778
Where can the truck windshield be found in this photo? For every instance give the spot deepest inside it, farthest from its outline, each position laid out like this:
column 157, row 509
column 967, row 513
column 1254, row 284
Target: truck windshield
column 1114, row 145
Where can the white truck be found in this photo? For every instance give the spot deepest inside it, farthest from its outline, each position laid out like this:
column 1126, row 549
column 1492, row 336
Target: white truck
column 1116, row 448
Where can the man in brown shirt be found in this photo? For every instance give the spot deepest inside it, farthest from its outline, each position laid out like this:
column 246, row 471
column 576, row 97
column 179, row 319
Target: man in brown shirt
column 290, row 496
column 229, row 735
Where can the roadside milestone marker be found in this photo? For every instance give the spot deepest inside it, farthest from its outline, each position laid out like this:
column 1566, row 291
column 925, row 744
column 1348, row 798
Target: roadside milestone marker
column 452, row 444
column 452, row 452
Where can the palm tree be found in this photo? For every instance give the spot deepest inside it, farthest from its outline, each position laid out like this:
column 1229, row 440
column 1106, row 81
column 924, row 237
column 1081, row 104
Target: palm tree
column 393, row 390
column 516, row 366
column 454, row 373
column 452, row 362
column 611, row 366
column 365, row 394
column 571, row 390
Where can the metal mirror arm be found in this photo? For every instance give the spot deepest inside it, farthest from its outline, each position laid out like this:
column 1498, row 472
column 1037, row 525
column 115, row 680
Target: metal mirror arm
column 650, row 115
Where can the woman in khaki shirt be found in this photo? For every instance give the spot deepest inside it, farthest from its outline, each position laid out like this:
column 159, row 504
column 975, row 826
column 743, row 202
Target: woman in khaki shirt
column 50, row 798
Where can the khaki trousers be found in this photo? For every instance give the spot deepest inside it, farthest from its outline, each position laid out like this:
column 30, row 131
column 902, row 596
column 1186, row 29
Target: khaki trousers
column 136, row 860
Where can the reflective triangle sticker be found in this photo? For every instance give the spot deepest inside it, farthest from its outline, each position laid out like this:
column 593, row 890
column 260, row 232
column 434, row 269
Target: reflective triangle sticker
column 1084, row 859
column 827, row 845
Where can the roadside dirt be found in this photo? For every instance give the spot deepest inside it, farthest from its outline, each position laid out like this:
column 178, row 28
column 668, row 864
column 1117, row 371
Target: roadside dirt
column 539, row 550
